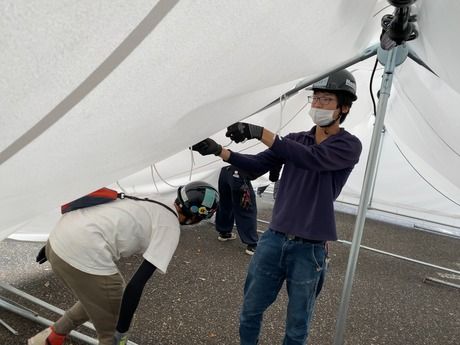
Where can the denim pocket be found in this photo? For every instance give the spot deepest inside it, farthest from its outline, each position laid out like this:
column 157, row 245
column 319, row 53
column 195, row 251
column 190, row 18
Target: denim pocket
column 318, row 255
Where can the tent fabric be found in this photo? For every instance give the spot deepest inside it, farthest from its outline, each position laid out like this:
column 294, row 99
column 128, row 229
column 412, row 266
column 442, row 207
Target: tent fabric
column 423, row 122
column 204, row 66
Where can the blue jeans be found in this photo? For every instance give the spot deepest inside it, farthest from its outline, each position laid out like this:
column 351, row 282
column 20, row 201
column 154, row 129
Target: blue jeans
column 277, row 259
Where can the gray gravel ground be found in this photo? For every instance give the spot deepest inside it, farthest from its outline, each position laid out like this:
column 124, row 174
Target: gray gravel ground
column 197, row 301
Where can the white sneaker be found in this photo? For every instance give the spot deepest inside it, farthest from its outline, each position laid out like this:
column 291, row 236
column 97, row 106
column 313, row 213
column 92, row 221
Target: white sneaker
column 226, row 236
column 40, row 338
column 250, row 250
column 47, row 336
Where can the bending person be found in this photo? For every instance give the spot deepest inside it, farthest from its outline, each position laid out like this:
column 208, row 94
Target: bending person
column 86, row 243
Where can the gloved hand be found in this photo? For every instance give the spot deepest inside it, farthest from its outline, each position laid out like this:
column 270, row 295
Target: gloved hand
column 120, row 338
column 241, row 131
column 207, row 147
column 41, row 256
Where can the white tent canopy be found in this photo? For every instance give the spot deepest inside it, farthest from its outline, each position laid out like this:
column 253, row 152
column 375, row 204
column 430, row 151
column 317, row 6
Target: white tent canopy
column 202, row 66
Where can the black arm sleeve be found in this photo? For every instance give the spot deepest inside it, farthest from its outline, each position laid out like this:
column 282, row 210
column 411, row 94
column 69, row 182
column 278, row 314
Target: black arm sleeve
column 132, row 295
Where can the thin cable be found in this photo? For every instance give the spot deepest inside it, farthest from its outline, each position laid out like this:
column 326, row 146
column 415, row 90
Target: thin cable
column 161, row 178
column 251, row 146
column 381, row 10
column 153, row 178
column 231, row 141
column 297, row 113
column 192, row 167
column 423, row 178
column 397, row 146
column 370, row 86
column 119, row 186
column 401, row 90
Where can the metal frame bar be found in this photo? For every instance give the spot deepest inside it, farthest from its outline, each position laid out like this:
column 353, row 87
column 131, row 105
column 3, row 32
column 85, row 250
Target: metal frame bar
column 8, row 327
column 390, row 59
column 367, row 53
column 442, row 282
column 39, row 302
column 405, row 258
column 36, row 318
column 385, row 89
column 31, row 315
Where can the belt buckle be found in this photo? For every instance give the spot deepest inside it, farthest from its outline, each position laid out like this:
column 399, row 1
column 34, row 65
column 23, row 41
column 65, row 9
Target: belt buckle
column 290, row 237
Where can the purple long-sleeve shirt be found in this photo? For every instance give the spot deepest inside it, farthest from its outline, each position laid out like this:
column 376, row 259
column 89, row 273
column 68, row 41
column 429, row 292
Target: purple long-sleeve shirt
column 312, row 179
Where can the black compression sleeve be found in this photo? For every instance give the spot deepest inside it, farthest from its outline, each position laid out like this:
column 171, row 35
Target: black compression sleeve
column 132, row 295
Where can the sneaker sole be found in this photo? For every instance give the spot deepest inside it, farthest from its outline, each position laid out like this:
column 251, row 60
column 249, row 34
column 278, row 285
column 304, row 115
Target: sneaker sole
column 39, row 338
column 223, row 239
column 249, row 252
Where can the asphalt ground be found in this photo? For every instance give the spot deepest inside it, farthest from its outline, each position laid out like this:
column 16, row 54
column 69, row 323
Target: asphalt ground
column 198, row 300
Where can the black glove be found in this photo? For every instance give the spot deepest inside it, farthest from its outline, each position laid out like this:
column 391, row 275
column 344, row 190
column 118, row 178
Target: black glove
column 241, row 131
column 41, row 256
column 207, row 147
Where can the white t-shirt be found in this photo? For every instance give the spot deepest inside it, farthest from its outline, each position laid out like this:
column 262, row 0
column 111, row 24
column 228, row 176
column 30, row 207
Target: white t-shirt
column 92, row 239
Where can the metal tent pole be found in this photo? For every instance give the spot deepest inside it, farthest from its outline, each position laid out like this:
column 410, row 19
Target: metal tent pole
column 34, row 317
column 405, row 258
column 366, row 54
column 39, row 302
column 31, row 315
column 374, row 176
column 390, row 59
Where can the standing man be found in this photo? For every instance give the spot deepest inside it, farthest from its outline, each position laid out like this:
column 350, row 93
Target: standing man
column 237, row 205
column 86, row 243
column 317, row 164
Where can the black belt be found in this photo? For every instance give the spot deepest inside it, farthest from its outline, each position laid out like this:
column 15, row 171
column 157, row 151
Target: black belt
column 297, row 238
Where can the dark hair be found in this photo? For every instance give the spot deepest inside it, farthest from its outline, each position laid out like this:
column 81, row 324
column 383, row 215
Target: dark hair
column 344, row 98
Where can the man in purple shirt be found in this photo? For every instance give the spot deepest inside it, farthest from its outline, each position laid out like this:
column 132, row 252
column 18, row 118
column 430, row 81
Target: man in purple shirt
column 316, row 164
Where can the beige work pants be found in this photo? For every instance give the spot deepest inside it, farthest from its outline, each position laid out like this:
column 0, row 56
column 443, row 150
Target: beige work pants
column 99, row 299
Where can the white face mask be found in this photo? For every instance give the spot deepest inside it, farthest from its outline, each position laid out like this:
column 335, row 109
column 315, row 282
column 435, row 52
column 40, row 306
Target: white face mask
column 321, row 117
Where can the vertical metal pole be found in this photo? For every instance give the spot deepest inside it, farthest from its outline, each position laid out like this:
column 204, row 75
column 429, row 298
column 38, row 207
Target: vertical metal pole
column 374, row 177
column 387, row 79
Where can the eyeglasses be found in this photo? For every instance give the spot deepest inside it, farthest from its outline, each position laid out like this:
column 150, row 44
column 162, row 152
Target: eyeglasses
column 320, row 100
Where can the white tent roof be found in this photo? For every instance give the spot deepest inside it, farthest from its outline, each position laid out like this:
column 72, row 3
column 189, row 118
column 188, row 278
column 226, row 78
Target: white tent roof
column 116, row 86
